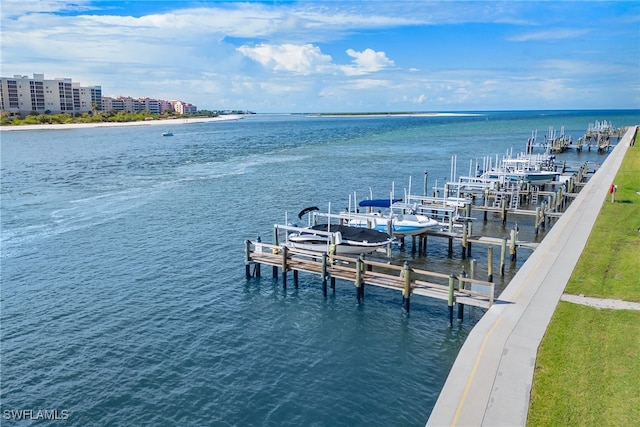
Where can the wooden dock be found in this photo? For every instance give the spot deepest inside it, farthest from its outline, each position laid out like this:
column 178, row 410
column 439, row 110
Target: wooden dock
column 459, row 204
column 455, row 289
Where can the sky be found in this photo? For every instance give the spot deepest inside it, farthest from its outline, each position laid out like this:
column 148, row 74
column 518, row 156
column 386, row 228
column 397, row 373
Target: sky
column 335, row 56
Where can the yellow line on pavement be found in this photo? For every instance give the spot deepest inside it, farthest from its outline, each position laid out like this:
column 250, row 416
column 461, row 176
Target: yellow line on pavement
column 473, row 372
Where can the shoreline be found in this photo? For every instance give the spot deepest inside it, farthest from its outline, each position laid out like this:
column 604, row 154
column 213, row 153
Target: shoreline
column 67, row 126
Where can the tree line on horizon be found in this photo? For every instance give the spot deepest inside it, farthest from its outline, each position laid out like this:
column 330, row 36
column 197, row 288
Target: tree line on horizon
column 36, row 118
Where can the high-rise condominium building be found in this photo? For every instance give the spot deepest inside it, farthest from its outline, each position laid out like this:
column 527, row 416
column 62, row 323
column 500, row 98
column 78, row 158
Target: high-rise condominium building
column 23, row 95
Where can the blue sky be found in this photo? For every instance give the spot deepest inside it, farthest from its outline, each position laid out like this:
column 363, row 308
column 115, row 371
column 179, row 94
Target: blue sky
column 336, row 56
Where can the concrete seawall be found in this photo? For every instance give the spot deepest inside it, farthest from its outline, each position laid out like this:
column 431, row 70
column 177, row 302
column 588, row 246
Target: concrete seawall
column 490, row 381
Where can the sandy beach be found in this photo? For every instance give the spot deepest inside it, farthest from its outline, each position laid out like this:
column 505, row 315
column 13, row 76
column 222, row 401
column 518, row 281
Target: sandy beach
column 166, row 122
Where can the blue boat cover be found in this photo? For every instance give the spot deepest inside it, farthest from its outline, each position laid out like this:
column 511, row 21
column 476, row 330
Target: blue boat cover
column 378, row 203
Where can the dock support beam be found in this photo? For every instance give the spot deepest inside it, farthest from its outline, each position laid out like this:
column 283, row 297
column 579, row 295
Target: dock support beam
column 464, row 239
column 503, row 212
column 460, row 288
column 359, row 284
column 247, row 258
column 503, row 255
column 284, row 267
column 324, row 274
column 406, row 292
column 490, row 264
column 451, row 298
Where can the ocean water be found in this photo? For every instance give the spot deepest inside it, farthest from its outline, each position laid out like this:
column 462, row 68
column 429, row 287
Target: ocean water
column 123, row 292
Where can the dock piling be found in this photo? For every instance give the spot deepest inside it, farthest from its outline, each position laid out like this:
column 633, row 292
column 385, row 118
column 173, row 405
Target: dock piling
column 361, row 271
column 358, row 282
column 503, row 213
column 284, row 251
column 451, row 298
column 324, row 274
column 464, row 239
column 461, row 287
column 503, row 255
column 490, row 264
column 406, row 293
column 247, row 258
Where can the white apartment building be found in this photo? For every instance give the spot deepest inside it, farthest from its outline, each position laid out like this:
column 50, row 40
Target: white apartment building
column 155, row 106
column 23, row 95
column 134, row 105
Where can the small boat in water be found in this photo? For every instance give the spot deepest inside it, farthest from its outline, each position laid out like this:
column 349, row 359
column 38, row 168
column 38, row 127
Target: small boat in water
column 168, row 133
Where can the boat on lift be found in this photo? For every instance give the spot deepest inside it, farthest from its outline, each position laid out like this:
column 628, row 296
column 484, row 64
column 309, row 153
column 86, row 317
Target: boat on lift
column 340, row 239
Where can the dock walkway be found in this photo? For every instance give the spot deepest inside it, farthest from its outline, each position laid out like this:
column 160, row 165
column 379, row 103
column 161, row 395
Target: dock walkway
column 455, row 289
column 490, row 381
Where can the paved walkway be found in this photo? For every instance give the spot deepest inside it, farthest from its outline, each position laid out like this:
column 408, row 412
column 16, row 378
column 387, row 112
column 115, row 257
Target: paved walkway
column 615, row 304
column 490, row 381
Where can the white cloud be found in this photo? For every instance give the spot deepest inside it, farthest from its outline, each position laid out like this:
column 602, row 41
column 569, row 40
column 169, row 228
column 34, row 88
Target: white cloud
column 308, row 59
column 14, row 8
column 367, row 61
column 369, row 84
column 417, row 100
column 551, row 34
column 275, row 55
column 301, row 59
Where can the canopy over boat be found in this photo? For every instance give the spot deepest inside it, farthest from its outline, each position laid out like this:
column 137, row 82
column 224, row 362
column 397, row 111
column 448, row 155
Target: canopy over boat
column 355, row 235
column 343, row 239
column 378, row 203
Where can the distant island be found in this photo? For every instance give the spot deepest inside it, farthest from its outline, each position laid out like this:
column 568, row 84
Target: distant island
column 389, row 114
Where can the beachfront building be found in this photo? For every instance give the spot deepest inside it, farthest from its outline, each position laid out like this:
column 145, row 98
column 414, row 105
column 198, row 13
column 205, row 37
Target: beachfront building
column 183, row 107
column 155, row 106
column 165, row 106
column 121, row 103
column 24, row 95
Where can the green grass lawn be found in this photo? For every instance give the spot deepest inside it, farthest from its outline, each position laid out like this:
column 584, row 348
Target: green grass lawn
column 588, row 365
column 610, row 264
column 588, row 369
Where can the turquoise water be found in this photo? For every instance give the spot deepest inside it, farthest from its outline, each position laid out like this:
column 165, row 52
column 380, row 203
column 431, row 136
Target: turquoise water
column 124, row 299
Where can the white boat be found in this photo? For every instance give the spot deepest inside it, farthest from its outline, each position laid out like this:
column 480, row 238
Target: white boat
column 400, row 221
column 168, row 133
column 337, row 239
column 532, row 177
column 519, row 170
